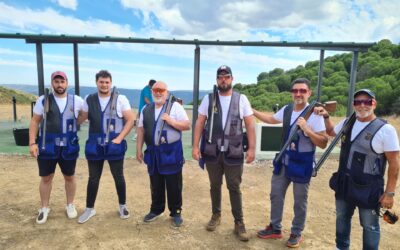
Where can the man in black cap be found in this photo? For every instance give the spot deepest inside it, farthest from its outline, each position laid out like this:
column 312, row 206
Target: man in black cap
column 223, row 151
column 367, row 145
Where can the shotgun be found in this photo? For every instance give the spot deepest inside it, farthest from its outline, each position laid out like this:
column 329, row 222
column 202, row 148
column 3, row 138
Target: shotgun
column 45, row 111
column 112, row 109
column 171, row 99
column 214, row 105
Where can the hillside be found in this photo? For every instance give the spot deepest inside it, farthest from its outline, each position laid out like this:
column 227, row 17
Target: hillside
column 378, row 69
column 7, row 94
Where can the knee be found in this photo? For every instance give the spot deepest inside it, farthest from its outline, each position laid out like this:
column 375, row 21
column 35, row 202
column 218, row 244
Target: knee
column 69, row 179
column 47, row 179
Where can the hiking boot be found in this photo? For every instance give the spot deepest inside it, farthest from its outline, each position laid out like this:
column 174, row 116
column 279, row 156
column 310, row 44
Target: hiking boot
column 269, row 233
column 71, row 211
column 294, row 241
column 177, row 220
column 123, row 212
column 42, row 216
column 151, row 217
column 240, row 231
column 214, row 222
column 87, row 214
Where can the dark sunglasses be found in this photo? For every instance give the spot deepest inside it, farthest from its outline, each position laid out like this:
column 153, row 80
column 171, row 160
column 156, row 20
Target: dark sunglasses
column 367, row 102
column 295, row 91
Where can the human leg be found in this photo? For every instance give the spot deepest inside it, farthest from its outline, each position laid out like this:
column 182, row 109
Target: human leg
column 369, row 221
column 344, row 213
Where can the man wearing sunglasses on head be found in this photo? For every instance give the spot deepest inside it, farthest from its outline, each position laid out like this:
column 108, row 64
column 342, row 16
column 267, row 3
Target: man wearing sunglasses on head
column 223, row 152
column 160, row 126
column 367, row 145
column 298, row 156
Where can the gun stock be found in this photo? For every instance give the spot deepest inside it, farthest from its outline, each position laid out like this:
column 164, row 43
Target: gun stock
column 45, row 111
column 171, row 99
column 112, row 108
column 214, row 103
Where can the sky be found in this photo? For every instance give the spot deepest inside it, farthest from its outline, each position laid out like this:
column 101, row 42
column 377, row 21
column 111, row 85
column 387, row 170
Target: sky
column 132, row 65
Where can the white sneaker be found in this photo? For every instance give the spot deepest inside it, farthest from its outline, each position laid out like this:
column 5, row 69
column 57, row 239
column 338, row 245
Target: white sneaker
column 123, row 212
column 71, row 211
column 42, row 216
column 87, row 214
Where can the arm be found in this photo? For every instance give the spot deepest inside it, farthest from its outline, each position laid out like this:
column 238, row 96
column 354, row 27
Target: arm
column 319, row 139
column 129, row 120
column 264, row 117
column 139, row 144
column 393, row 173
column 328, row 123
column 82, row 117
column 147, row 100
column 179, row 125
column 33, row 130
column 198, row 129
column 251, row 137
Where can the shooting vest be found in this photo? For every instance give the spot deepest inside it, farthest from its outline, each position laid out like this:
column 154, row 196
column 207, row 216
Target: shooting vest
column 227, row 141
column 298, row 158
column 97, row 147
column 164, row 151
column 61, row 133
column 360, row 179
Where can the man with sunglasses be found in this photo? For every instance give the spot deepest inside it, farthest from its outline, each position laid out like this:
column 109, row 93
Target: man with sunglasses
column 160, row 127
column 110, row 121
column 367, row 145
column 297, row 164
column 223, row 152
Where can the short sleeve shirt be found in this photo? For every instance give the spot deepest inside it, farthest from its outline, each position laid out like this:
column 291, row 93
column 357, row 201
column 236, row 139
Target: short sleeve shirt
column 177, row 113
column 61, row 103
column 122, row 104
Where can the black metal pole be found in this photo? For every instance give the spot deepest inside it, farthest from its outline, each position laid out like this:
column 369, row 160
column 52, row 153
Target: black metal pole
column 320, row 74
column 39, row 62
column 76, row 69
column 14, row 100
column 353, row 75
column 196, row 84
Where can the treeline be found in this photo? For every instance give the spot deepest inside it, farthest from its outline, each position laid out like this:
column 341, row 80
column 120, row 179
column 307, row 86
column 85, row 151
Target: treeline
column 378, row 69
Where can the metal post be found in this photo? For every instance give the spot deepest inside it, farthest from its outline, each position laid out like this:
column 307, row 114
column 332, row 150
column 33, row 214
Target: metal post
column 14, row 100
column 39, row 62
column 320, row 74
column 196, row 85
column 353, row 74
column 76, row 69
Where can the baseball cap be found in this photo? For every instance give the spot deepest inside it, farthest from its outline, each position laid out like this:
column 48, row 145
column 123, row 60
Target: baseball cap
column 365, row 91
column 225, row 69
column 59, row 73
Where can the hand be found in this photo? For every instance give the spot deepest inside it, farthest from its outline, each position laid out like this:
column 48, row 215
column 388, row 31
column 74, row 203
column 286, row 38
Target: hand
column 320, row 111
column 250, row 155
column 196, row 153
column 386, row 201
column 302, row 123
column 139, row 156
column 116, row 140
column 34, row 150
column 165, row 117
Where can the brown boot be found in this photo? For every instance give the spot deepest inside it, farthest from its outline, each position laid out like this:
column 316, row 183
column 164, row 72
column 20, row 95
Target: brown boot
column 240, row 231
column 214, row 222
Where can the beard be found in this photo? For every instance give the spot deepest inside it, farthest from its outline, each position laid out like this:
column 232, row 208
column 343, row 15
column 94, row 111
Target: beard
column 104, row 92
column 364, row 114
column 298, row 101
column 225, row 88
column 158, row 100
column 60, row 91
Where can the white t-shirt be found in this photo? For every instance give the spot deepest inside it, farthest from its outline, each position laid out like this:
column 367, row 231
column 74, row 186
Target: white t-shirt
column 315, row 122
column 61, row 103
column 122, row 104
column 385, row 139
column 244, row 107
column 177, row 113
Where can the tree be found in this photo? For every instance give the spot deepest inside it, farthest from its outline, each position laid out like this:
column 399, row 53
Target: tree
column 262, row 76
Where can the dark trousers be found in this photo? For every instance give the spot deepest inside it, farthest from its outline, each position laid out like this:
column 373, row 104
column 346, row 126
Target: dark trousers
column 233, row 177
column 95, row 171
column 173, row 183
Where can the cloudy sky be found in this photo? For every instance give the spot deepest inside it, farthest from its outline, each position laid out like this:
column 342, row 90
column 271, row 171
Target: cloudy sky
column 132, row 65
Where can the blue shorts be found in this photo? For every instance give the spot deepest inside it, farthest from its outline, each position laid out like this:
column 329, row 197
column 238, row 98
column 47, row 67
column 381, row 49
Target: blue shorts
column 48, row 166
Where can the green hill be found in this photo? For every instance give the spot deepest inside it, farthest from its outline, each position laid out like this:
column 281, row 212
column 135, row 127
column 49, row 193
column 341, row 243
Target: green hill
column 378, row 69
column 7, row 94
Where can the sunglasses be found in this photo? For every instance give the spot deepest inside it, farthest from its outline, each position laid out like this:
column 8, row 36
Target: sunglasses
column 157, row 90
column 225, row 77
column 296, row 91
column 367, row 102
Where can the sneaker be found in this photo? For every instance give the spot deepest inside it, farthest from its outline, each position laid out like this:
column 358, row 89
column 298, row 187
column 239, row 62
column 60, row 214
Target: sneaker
column 42, row 216
column 177, row 220
column 240, row 231
column 214, row 222
column 269, row 233
column 123, row 212
column 71, row 211
column 151, row 217
column 87, row 214
column 294, row 241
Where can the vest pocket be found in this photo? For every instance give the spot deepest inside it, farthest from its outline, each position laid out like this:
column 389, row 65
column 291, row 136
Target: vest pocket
column 92, row 148
column 113, row 149
column 210, row 149
column 300, row 165
column 50, row 149
column 235, row 152
column 71, row 151
column 171, row 154
column 357, row 168
column 365, row 196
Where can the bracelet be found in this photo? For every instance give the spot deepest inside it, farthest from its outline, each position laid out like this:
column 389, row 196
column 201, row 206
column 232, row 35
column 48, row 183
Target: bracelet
column 391, row 194
column 326, row 116
column 32, row 144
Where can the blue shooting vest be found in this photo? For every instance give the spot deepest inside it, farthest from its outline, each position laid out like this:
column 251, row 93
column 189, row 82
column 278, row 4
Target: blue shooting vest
column 96, row 147
column 360, row 178
column 164, row 151
column 61, row 133
column 299, row 157
column 228, row 140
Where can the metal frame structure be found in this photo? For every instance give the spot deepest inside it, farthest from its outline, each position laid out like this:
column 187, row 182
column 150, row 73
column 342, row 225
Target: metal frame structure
column 40, row 39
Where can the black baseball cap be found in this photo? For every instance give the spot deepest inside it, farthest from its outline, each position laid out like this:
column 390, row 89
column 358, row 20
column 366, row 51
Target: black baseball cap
column 365, row 91
column 226, row 69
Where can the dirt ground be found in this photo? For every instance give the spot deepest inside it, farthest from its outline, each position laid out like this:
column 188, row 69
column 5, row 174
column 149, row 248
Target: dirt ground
column 20, row 201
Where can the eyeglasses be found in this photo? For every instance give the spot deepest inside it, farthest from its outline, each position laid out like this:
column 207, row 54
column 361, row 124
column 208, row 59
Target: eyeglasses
column 159, row 91
column 225, row 77
column 366, row 102
column 296, row 91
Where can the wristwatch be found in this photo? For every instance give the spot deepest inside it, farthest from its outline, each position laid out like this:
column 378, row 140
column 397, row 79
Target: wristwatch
column 391, row 194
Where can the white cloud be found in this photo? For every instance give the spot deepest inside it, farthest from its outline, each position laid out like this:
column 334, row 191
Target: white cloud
column 68, row 4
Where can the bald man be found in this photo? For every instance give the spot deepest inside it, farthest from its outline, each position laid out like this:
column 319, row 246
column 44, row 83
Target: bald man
column 162, row 132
